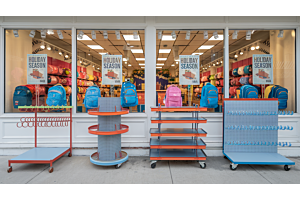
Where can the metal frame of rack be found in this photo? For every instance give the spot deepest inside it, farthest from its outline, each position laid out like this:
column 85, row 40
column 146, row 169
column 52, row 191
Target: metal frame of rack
column 182, row 149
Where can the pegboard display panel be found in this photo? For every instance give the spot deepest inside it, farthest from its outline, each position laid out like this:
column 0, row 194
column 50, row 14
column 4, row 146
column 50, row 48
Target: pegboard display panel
column 109, row 123
column 109, row 147
column 248, row 126
column 109, row 104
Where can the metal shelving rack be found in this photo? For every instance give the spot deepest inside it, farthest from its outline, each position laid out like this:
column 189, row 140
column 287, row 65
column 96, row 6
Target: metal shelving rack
column 189, row 148
column 109, row 130
column 43, row 155
column 244, row 141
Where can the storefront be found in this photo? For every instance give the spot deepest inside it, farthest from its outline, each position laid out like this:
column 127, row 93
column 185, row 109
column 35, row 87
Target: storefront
column 150, row 49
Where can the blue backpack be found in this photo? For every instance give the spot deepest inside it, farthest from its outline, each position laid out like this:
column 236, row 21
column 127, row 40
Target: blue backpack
column 91, row 97
column 56, row 96
column 209, row 96
column 22, row 96
column 244, row 80
column 248, row 69
column 248, row 91
column 235, row 72
column 129, row 96
column 282, row 94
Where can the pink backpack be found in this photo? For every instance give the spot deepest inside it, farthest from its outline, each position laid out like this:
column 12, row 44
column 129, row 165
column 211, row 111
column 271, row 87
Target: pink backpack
column 69, row 81
column 173, row 97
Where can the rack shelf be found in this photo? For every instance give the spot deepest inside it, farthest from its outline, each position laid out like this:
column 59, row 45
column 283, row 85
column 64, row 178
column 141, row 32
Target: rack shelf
column 189, row 148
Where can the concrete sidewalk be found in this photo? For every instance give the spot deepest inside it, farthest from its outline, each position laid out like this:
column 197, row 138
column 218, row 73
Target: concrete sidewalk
column 78, row 169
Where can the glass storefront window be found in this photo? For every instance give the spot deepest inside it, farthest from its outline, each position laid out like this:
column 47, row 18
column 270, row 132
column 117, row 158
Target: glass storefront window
column 19, row 44
column 92, row 45
column 208, row 45
column 264, row 59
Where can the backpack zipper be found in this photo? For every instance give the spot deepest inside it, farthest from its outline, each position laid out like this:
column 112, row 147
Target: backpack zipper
column 55, row 91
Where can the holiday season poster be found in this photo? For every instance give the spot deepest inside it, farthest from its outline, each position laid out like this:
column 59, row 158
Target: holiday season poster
column 189, row 70
column 262, row 69
column 37, row 69
column 112, row 69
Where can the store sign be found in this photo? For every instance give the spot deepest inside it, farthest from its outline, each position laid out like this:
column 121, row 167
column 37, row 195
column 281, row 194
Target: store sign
column 112, row 69
column 189, row 70
column 37, row 69
column 262, row 69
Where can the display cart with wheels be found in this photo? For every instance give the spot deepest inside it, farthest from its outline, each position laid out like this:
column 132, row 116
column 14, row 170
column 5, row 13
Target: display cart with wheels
column 189, row 148
column 43, row 155
column 109, row 130
column 250, row 133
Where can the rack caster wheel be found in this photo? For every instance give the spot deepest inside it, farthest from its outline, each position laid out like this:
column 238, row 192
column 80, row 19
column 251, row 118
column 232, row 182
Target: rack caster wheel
column 9, row 169
column 153, row 165
column 287, row 168
column 118, row 166
column 233, row 166
column 202, row 165
column 70, row 155
column 50, row 170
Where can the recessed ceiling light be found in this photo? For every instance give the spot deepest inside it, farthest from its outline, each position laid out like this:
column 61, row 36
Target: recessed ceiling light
column 129, row 65
column 140, row 58
column 161, row 58
column 84, row 37
column 164, row 51
column 130, row 37
column 167, row 38
column 206, row 47
column 124, row 59
column 172, row 65
column 102, row 53
column 142, row 67
column 141, row 63
column 219, row 38
column 95, row 46
column 177, row 60
column 197, row 54
column 137, row 50
column 158, row 67
column 159, row 63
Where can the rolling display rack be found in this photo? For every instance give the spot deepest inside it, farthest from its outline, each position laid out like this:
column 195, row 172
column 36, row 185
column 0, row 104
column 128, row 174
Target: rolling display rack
column 109, row 130
column 190, row 148
column 250, row 133
column 43, row 155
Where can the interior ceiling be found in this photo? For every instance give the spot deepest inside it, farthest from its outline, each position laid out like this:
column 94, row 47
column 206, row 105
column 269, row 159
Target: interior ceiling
column 114, row 46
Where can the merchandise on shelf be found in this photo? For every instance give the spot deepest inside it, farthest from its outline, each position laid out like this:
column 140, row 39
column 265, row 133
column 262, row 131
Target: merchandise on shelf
column 209, row 96
column 173, row 97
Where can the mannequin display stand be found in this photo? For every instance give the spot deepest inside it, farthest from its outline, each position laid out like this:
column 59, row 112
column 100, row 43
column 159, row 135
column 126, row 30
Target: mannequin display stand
column 109, row 130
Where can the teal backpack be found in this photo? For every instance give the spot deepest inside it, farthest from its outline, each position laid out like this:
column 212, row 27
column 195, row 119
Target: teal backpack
column 91, row 97
column 209, row 96
column 56, row 96
column 129, row 96
column 248, row 91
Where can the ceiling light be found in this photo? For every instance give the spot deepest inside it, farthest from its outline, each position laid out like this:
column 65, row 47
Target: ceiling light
column 102, row 53
column 66, row 56
column 16, row 34
column 208, row 66
column 280, row 34
column 164, row 51
column 172, row 65
column 167, row 38
column 129, row 65
column 257, row 46
column 140, row 58
column 252, row 48
column 125, row 62
column 205, row 34
column 131, row 37
column 215, row 34
column 206, row 47
column 197, row 54
column 159, row 35
column 235, row 35
column 216, row 37
column 176, row 63
column 89, row 54
column 188, row 34
column 252, row 31
column 95, row 46
column 214, row 64
column 32, row 33
column 48, row 47
column 248, row 35
column 221, row 61
column 118, row 35
column 93, row 35
column 135, row 35
column 60, row 35
column 43, row 34
column 158, row 67
column 177, row 60
column 173, row 35
column 162, row 58
column 159, row 63
column 137, row 50
column 217, row 62
column 50, row 32
column 42, row 45
column 241, row 53
column 80, row 61
column 93, row 65
column 235, row 55
column 105, row 35
column 124, row 59
column 142, row 64
column 60, row 53
column 143, row 67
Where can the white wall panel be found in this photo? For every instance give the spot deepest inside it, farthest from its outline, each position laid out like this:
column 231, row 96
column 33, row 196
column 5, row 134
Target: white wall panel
column 189, row 19
column 109, row 19
column 58, row 19
column 261, row 19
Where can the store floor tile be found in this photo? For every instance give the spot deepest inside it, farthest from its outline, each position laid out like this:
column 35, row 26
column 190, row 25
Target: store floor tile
column 78, row 169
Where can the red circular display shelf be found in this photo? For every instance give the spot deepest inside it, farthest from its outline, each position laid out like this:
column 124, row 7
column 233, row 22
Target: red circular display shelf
column 124, row 129
column 95, row 112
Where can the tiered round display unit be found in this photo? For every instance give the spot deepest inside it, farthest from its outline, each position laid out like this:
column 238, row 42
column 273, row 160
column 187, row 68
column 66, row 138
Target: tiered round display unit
column 109, row 130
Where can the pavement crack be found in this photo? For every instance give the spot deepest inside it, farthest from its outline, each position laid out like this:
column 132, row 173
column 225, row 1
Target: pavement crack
column 170, row 172
column 260, row 174
column 37, row 174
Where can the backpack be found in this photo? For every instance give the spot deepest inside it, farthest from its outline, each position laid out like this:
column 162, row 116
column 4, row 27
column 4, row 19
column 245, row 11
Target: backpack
column 251, row 79
column 68, row 81
column 129, row 96
column 248, row 69
column 248, row 91
column 52, row 80
column 241, row 70
column 282, row 94
column 22, row 96
column 90, row 77
column 219, row 83
column 209, row 96
column 173, row 97
column 244, row 80
column 268, row 90
column 220, row 90
column 60, row 71
column 232, row 90
column 212, row 77
column 235, row 72
column 258, row 88
column 220, row 75
column 56, row 96
column 213, row 82
column 51, row 69
column 91, row 97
